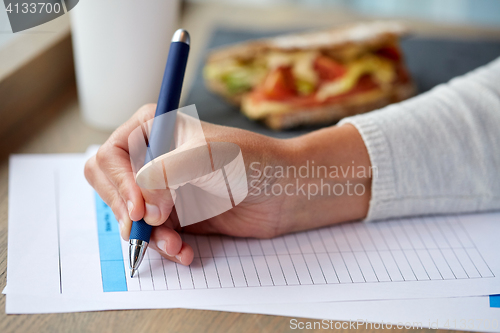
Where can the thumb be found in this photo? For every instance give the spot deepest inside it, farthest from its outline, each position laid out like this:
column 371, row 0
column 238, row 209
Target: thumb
column 205, row 180
column 195, row 172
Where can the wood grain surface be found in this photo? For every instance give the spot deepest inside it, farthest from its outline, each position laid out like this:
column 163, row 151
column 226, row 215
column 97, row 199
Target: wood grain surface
column 59, row 129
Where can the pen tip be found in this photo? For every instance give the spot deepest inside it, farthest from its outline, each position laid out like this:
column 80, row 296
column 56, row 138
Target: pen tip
column 132, row 272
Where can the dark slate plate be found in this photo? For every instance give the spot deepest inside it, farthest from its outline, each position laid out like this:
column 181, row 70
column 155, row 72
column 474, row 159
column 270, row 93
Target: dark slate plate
column 431, row 62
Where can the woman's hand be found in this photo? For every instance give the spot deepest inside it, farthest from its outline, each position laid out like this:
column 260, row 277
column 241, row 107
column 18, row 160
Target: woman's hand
column 282, row 197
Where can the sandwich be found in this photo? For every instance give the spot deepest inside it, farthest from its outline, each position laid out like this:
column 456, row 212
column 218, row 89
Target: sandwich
column 313, row 78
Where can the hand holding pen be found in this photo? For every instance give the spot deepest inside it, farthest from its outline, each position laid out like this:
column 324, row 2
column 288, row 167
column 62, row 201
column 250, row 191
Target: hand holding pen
column 261, row 214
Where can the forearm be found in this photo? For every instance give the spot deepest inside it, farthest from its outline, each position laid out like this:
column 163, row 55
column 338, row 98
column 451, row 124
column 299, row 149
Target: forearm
column 335, row 175
column 438, row 152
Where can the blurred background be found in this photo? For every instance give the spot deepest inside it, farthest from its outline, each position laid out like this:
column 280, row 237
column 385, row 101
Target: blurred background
column 41, row 108
column 480, row 12
column 474, row 12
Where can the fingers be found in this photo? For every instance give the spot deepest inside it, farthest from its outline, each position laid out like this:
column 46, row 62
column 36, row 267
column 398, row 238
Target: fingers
column 115, row 164
column 120, row 136
column 109, row 195
column 114, row 161
column 170, row 245
column 158, row 206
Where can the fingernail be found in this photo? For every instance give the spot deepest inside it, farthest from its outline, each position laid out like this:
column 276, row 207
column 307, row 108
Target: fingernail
column 152, row 212
column 120, row 225
column 162, row 245
column 130, row 207
column 178, row 257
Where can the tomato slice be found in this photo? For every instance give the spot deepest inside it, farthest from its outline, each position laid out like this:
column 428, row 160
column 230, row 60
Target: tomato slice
column 402, row 72
column 365, row 84
column 328, row 69
column 390, row 52
column 279, row 84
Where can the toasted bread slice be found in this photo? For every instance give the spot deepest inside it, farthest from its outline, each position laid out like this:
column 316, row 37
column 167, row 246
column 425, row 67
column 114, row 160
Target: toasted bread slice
column 332, row 113
column 345, row 42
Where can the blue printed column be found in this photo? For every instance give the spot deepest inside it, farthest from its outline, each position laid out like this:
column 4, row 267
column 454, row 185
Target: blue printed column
column 495, row 301
column 110, row 249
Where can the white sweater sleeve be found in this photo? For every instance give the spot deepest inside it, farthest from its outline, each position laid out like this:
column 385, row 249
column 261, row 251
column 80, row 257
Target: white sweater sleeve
column 438, row 152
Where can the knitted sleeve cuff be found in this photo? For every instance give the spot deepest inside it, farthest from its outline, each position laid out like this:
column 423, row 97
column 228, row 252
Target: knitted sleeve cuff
column 383, row 190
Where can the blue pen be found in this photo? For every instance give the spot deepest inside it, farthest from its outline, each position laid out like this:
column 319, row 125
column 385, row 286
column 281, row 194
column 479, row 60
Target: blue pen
column 162, row 130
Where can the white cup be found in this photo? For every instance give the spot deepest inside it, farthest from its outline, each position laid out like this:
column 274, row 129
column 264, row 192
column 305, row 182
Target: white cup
column 120, row 49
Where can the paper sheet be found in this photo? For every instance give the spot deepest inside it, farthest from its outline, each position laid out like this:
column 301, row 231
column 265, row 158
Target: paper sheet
column 462, row 313
column 67, row 256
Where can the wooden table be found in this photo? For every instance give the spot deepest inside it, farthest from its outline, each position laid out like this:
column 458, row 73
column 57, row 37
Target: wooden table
column 59, row 129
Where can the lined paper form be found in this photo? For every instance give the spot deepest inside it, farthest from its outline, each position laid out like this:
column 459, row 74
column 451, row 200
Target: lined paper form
column 402, row 259
column 439, row 249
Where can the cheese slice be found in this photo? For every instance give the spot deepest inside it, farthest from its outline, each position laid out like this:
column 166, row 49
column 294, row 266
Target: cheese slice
column 381, row 69
column 302, row 64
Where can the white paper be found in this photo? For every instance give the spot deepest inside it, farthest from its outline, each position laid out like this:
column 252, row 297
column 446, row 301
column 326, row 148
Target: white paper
column 54, row 255
column 461, row 313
